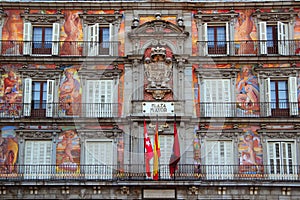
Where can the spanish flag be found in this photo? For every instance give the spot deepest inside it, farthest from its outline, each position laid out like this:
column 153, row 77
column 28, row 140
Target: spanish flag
column 156, row 153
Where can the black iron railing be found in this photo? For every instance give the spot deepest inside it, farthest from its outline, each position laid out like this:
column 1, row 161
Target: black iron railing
column 249, row 47
column 250, row 109
column 137, row 172
column 59, row 110
column 59, row 48
column 206, row 48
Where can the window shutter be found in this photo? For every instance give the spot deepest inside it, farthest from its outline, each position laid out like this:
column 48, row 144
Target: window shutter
column 90, row 35
column 37, row 153
column 55, row 38
column 93, row 40
column 267, row 97
column 27, row 38
column 205, row 49
column 263, row 37
column 27, row 96
column 1, row 26
column 96, row 40
column 99, row 159
column 99, row 98
column 293, row 99
column 112, row 44
column 166, row 149
column 227, row 38
column 50, row 97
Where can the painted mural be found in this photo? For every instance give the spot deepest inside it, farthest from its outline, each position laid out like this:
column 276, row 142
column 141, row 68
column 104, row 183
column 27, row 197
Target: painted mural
column 70, row 93
column 12, row 33
column 70, row 32
column 250, row 151
column 197, row 152
column 245, row 34
column 8, row 150
column 247, row 89
column 68, row 151
column 10, row 91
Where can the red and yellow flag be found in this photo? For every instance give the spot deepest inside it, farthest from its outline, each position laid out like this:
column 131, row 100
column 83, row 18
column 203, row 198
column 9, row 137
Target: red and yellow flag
column 148, row 150
column 156, row 153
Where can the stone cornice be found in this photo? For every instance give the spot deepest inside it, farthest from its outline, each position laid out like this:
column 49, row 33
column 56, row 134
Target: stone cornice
column 40, row 73
column 277, row 72
column 274, row 16
column 217, row 72
column 216, row 17
column 42, row 18
column 101, row 18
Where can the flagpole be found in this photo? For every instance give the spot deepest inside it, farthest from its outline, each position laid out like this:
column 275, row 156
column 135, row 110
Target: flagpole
column 174, row 141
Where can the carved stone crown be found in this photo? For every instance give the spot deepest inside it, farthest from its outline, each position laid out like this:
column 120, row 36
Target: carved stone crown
column 158, row 51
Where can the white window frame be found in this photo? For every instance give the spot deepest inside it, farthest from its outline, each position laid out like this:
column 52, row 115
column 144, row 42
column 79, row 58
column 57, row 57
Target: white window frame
column 98, row 170
column 37, row 166
column 28, row 38
column 217, row 102
column 27, row 97
column 227, row 34
column 279, row 168
column 292, row 95
column 99, row 98
column 221, row 164
column 93, row 39
column 282, row 36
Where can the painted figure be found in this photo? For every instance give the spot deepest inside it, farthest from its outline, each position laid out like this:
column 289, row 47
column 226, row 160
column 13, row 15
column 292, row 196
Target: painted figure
column 71, row 27
column 11, row 27
column 67, row 143
column 248, row 90
column 70, row 96
column 245, row 27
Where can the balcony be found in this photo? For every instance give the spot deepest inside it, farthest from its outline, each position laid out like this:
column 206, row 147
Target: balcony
column 207, row 48
column 185, row 172
column 59, row 110
column 61, row 48
column 243, row 109
column 249, row 48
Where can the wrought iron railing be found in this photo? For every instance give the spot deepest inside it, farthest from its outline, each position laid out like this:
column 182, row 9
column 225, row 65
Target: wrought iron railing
column 206, row 48
column 60, row 48
column 137, row 172
column 248, row 109
column 59, row 110
column 249, row 47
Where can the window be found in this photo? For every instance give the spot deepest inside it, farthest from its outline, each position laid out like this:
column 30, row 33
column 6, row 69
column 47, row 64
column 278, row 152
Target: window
column 219, row 159
column 281, row 158
column 99, row 159
column 37, row 159
column 217, row 37
column 281, row 97
column 166, row 148
column 99, row 98
column 41, row 40
column 38, row 98
column 99, row 40
column 273, row 38
column 216, row 98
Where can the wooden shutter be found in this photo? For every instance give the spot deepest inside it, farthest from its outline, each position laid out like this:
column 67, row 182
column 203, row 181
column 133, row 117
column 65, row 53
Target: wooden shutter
column 38, row 159
column 55, row 38
column 112, row 43
column 27, row 96
column 50, row 98
column 267, row 102
column 99, row 159
column 205, row 49
column 93, row 39
column 217, row 97
column 263, row 37
column 293, row 99
column 227, row 38
column 27, row 38
column 99, row 98
column 282, row 34
column 166, row 149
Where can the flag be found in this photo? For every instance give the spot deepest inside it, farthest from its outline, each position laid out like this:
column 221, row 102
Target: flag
column 156, row 153
column 175, row 157
column 148, row 150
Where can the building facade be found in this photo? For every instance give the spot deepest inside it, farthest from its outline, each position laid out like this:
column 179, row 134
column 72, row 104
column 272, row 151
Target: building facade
column 81, row 82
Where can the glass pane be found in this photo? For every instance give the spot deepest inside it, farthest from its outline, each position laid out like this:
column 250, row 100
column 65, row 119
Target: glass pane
column 105, row 37
column 48, row 37
column 221, row 37
column 282, row 85
column 270, row 36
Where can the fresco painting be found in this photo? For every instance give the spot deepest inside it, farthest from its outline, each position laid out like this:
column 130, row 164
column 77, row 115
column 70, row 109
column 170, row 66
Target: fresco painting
column 10, row 91
column 8, row 150
column 12, row 33
column 70, row 93
column 68, row 151
column 250, row 152
column 245, row 34
column 247, row 90
column 71, row 31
